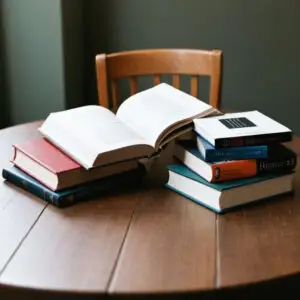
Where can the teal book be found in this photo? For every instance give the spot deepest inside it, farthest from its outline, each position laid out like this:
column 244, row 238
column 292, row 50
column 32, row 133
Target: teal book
column 224, row 196
column 69, row 196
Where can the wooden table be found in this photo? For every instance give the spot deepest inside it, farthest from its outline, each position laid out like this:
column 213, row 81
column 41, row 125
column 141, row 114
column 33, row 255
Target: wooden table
column 148, row 241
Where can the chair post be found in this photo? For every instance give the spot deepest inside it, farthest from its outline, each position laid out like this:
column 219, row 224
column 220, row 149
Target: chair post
column 101, row 73
column 215, row 79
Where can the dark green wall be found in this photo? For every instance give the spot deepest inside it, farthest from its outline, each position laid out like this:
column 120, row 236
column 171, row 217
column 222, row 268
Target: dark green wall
column 34, row 58
column 73, row 44
column 4, row 113
column 260, row 40
column 42, row 58
column 50, row 48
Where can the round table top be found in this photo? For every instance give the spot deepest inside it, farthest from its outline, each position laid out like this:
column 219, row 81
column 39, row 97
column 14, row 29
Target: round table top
column 146, row 241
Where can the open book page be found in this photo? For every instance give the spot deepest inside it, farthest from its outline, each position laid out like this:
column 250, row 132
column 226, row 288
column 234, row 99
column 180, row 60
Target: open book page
column 88, row 131
column 160, row 110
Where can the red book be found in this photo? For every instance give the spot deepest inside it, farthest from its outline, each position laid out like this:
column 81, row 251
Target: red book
column 56, row 170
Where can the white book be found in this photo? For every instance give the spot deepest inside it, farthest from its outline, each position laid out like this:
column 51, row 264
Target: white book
column 241, row 129
column 93, row 136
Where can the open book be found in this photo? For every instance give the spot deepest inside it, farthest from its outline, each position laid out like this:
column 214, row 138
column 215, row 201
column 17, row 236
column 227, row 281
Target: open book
column 93, row 136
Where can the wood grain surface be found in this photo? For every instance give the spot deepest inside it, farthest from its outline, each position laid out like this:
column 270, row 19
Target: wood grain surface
column 74, row 248
column 18, row 210
column 260, row 242
column 147, row 241
column 170, row 246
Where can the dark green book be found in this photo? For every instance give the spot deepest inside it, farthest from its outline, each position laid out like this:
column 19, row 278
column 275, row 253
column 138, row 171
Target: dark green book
column 225, row 195
column 72, row 195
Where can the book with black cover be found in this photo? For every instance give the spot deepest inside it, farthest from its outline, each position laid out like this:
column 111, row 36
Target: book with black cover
column 69, row 196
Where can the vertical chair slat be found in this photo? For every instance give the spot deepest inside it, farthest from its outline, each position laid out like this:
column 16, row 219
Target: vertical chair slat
column 194, row 86
column 103, row 98
column 215, row 80
column 133, row 85
column 176, row 81
column 156, row 79
column 115, row 94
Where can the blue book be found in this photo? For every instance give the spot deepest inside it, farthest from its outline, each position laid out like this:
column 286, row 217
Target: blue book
column 280, row 159
column 221, row 197
column 75, row 194
column 211, row 154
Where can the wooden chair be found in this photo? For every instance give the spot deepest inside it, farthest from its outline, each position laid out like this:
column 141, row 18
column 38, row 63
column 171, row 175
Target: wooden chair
column 156, row 62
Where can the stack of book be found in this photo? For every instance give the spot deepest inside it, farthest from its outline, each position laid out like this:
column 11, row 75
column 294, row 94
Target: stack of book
column 86, row 150
column 234, row 159
column 44, row 170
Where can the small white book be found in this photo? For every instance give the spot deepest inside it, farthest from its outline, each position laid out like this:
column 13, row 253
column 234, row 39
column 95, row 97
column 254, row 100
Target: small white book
column 93, row 136
column 241, row 129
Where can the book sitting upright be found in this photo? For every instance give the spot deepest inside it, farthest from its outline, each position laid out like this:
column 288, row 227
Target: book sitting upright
column 93, row 136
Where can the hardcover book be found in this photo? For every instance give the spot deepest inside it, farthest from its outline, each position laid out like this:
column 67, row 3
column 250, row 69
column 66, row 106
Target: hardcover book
column 221, row 197
column 73, row 195
column 280, row 159
column 248, row 128
column 52, row 167
column 211, row 154
column 93, row 136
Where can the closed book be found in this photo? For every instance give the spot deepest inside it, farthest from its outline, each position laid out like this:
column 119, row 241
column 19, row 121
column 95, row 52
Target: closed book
column 211, row 154
column 56, row 170
column 280, row 159
column 241, row 129
column 221, row 197
column 72, row 195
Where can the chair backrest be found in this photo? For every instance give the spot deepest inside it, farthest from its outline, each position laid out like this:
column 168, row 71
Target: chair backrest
column 156, row 62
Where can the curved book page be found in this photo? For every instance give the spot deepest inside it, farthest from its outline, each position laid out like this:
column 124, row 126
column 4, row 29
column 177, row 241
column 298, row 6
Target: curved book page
column 157, row 112
column 94, row 136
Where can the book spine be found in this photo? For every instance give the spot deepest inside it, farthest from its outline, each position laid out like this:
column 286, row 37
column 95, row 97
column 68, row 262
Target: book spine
column 96, row 189
column 36, row 189
column 285, row 164
column 236, row 153
column 252, row 167
column 256, row 140
column 81, row 192
column 233, row 170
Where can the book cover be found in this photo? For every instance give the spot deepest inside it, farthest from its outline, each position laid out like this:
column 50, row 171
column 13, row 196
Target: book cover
column 53, row 168
column 221, row 186
column 222, row 197
column 47, row 155
column 248, row 128
column 211, row 154
column 70, row 196
column 280, row 159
